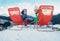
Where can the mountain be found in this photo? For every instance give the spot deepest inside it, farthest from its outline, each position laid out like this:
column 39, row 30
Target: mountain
column 56, row 19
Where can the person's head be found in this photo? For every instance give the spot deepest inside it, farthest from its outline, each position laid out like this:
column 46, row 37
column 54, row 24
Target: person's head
column 24, row 11
column 36, row 9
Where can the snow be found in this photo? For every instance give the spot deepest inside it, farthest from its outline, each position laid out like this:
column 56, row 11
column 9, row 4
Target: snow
column 28, row 34
column 56, row 25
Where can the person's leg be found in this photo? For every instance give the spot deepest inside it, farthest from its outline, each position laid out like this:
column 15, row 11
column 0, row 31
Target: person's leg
column 25, row 23
column 31, row 21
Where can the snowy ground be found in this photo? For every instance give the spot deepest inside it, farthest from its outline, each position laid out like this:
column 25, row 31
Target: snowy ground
column 28, row 35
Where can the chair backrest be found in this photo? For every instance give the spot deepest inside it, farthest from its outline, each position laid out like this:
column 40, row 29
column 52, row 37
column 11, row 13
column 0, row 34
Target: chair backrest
column 45, row 14
column 15, row 15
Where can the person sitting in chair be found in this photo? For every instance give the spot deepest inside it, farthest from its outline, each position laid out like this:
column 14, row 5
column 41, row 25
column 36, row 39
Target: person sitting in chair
column 25, row 18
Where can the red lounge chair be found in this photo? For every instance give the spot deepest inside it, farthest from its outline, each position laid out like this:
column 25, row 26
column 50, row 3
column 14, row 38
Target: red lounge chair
column 45, row 14
column 15, row 15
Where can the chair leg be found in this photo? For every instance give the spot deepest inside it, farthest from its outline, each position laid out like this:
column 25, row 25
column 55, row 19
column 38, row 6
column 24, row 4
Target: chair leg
column 38, row 28
column 35, row 25
column 20, row 27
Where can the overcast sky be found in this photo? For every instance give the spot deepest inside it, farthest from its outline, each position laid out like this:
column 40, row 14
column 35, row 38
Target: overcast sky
column 28, row 4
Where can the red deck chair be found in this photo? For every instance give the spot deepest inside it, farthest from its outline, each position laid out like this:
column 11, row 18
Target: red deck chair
column 45, row 14
column 15, row 15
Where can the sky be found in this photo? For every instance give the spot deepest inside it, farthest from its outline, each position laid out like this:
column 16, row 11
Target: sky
column 27, row 4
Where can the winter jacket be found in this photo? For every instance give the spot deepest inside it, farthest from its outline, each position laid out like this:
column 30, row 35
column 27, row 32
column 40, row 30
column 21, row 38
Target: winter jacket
column 24, row 16
column 36, row 18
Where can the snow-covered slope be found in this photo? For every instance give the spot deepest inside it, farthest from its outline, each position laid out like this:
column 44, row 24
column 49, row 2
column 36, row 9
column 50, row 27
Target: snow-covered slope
column 28, row 35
